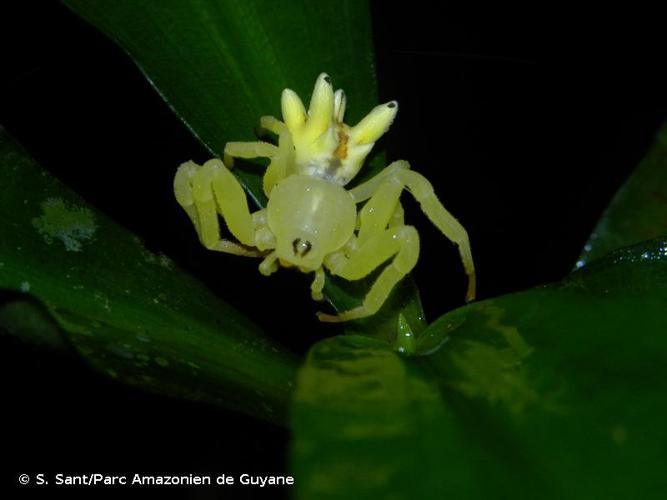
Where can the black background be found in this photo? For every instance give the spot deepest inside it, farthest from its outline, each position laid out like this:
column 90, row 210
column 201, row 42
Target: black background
column 526, row 121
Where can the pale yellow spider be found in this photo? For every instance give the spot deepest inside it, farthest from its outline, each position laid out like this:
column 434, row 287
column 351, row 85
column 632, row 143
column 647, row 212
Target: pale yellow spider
column 311, row 221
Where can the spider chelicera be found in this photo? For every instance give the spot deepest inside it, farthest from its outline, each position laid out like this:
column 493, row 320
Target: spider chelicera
column 311, row 221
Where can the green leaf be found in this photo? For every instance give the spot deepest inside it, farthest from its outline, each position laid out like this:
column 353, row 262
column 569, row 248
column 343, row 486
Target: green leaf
column 638, row 212
column 22, row 316
column 223, row 64
column 132, row 314
column 556, row 392
column 367, row 424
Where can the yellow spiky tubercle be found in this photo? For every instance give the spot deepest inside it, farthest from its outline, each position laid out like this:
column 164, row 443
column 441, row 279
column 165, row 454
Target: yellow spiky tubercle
column 325, row 146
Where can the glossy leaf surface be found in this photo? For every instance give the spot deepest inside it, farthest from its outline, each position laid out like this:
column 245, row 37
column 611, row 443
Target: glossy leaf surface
column 638, row 211
column 556, row 392
column 367, row 424
column 221, row 65
column 130, row 313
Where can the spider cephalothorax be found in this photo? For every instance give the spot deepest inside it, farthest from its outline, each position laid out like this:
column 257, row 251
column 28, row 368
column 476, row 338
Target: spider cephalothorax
column 311, row 221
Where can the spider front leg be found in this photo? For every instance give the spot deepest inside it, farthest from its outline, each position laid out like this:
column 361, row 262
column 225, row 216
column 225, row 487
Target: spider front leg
column 205, row 190
column 374, row 245
column 423, row 192
column 402, row 242
column 399, row 173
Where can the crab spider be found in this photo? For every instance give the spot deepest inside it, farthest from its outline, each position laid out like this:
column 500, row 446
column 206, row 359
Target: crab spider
column 311, row 221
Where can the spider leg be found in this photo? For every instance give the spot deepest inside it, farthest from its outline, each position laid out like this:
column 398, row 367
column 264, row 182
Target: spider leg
column 283, row 159
column 402, row 242
column 272, row 124
column 318, row 284
column 280, row 156
column 367, row 189
column 398, row 217
column 423, row 192
column 269, row 265
column 203, row 191
column 247, row 150
column 382, row 234
column 374, row 245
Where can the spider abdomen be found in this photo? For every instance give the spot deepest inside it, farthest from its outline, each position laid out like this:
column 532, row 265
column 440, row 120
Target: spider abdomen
column 310, row 218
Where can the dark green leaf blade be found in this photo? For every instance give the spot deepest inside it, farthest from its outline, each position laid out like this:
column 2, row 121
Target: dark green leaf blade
column 24, row 317
column 367, row 425
column 223, row 64
column 560, row 390
column 556, row 392
column 638, row 211
column 130, row 313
